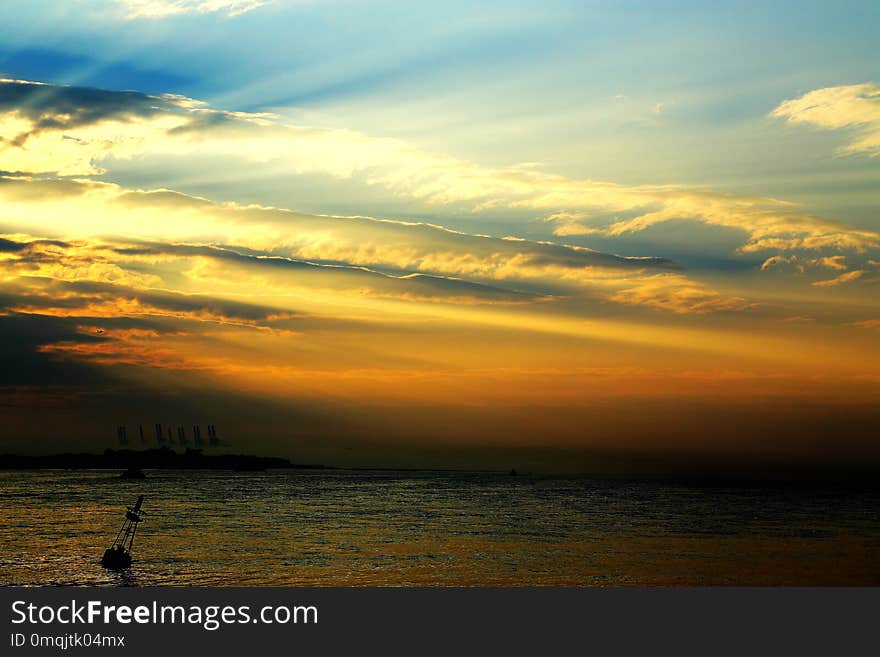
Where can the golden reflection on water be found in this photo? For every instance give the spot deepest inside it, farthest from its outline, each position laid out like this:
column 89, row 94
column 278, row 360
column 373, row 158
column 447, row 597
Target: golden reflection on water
column 339, row 528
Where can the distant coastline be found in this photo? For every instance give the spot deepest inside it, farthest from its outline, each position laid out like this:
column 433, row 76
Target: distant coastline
column 161, row 458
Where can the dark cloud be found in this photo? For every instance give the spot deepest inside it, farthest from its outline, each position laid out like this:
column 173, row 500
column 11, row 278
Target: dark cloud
column 80, row 295
column 52, row 403
column 30, row 250
column 206, row 120
column 52, row 107
column 573, row 257
column 23, row 365
column 10, row 246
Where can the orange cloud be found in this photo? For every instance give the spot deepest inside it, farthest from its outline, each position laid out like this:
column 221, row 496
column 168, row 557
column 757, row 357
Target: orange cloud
column 840, row 280
column 677, row 294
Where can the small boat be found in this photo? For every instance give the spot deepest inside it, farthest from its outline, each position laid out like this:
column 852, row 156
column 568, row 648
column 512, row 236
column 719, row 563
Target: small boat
column 133, row 473
column 248, row 467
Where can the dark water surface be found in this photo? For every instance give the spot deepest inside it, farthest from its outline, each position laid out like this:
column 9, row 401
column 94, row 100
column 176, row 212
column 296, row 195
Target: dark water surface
column 427, row 528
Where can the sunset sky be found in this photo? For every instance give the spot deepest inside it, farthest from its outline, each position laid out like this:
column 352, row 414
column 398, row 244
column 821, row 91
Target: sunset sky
column 544, row 235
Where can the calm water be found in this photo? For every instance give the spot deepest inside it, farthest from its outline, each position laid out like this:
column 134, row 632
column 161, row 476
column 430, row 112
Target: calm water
column 397, row 528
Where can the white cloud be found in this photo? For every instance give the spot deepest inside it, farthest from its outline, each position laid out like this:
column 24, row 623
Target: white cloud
column 855, row 107
column 165, row 8
column 75, row 131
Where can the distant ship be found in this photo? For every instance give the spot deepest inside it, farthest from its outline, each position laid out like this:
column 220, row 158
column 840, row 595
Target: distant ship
column 133, row 473
column 248, row 467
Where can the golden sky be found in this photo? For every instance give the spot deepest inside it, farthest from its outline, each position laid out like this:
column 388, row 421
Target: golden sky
column 333, row 289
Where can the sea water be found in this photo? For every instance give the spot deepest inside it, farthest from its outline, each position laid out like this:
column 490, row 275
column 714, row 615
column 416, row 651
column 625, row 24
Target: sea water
column 391, row 528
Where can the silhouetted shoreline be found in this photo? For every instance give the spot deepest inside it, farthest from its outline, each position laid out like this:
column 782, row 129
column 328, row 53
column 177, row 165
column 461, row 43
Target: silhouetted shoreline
column 162, row 457
column 702, row 474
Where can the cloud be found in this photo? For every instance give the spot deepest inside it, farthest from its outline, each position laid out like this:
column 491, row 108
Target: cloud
column 20, row 337
column 74, row 131
column 678, row 294
column 67, row 130
column 218, row 265
column 91, row 209
column 769, row 224
column 134, row 280
column 171, row 240
column 134, row 9
column 854, row 107
column 138, row 347
column 83, row 301
column 780, row 261
column 801, row 263
column 141, row 272
column 837, row 262
column 840, row 280
column 71, row 262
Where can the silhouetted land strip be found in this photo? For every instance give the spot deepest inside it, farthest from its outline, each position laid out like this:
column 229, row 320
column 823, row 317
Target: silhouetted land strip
column 163, row 458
